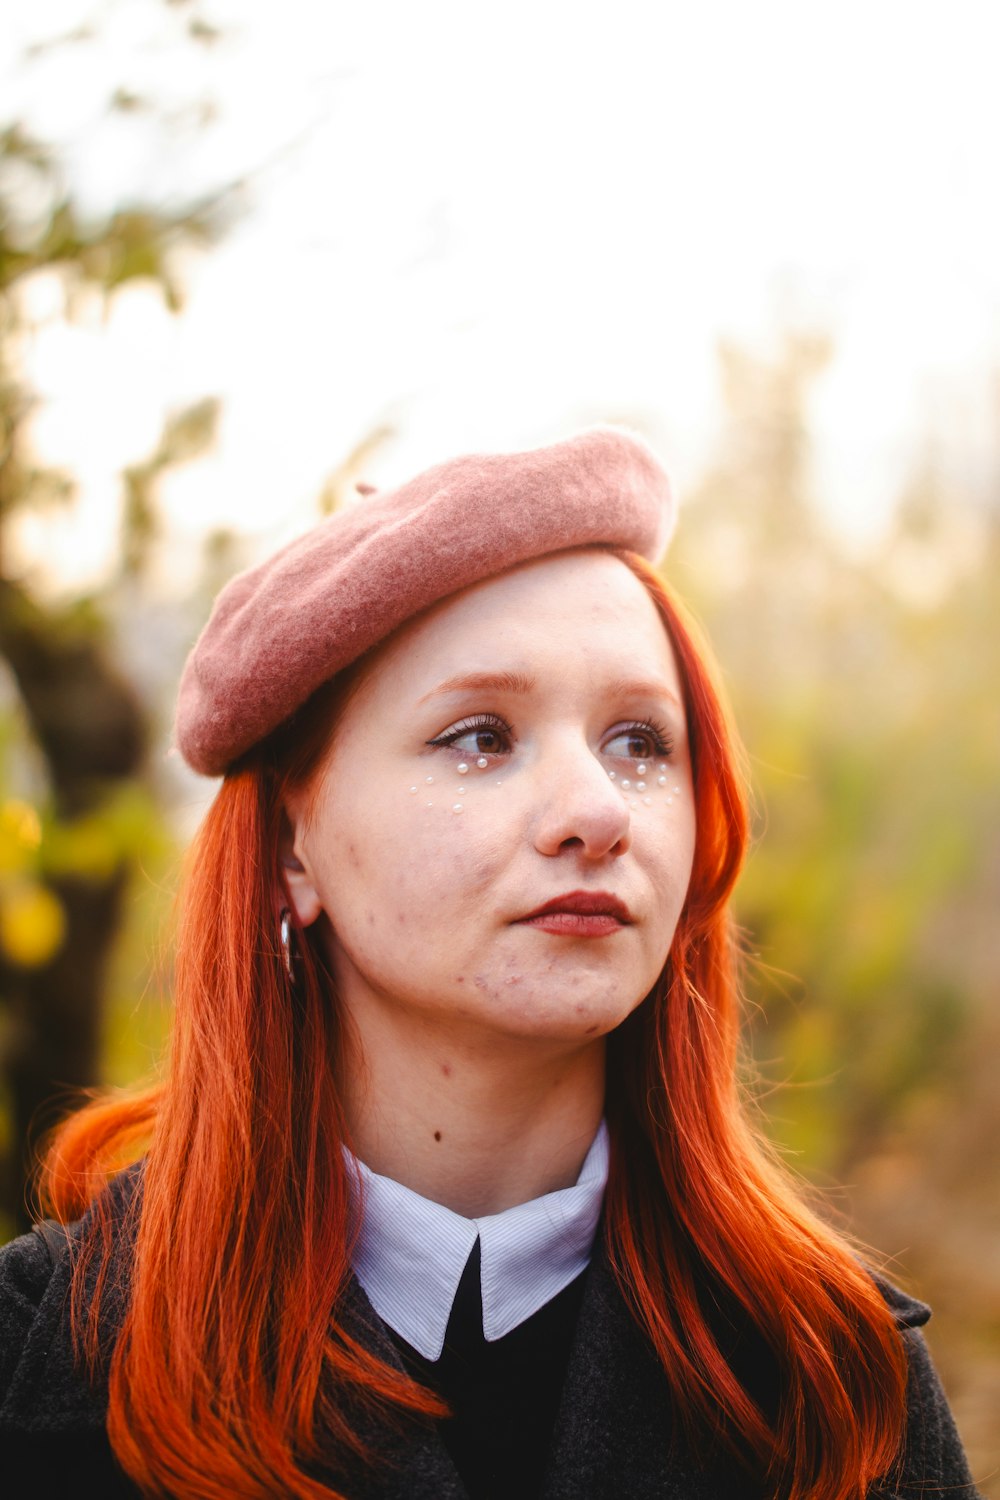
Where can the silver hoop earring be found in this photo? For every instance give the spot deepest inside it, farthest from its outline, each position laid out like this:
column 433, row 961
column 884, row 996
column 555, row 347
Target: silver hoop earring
column 286, row 934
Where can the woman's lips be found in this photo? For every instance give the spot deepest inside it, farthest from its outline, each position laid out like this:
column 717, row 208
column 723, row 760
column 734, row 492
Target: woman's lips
column 574, row 924
column 580, row 914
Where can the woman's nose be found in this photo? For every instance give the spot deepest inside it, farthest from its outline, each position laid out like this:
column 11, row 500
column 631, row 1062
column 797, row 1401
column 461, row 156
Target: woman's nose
column 580, row 807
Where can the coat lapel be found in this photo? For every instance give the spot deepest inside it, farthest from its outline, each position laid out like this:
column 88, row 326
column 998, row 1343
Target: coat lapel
column 412, row 1461
column 614, row 1435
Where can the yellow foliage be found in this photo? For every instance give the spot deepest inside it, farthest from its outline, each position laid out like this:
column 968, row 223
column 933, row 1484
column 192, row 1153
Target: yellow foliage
column 125, row 827
column 32, row 923
column 86, row 848
column 20, row 835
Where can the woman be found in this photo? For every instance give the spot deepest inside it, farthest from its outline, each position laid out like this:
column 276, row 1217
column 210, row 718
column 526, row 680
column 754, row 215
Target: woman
column 448, row 1191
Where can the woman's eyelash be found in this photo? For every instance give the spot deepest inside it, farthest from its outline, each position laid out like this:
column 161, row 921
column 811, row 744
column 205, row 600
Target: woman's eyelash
column 478, row 724
column 661, row 740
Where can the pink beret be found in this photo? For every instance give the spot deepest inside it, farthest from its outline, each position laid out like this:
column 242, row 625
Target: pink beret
column 281, row 629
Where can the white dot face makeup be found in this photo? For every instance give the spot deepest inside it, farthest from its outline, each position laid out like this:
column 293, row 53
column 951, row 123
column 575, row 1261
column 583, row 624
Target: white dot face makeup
column 483, row 764
column 533, row 892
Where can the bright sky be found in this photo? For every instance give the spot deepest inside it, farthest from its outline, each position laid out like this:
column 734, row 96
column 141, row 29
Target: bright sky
column 488, row 225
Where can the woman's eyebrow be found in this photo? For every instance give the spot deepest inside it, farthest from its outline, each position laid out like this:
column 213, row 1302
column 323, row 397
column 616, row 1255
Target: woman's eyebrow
column 522, row 683
column 484, row 682
column 644, row 687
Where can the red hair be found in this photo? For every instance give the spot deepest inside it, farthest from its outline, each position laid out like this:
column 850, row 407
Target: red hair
column 231, row 1375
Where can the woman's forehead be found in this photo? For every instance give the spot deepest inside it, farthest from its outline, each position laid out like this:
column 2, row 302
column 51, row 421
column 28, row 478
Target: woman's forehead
column 587, row 600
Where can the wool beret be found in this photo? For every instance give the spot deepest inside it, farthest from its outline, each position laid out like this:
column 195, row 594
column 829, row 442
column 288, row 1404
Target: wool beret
column 281, row 629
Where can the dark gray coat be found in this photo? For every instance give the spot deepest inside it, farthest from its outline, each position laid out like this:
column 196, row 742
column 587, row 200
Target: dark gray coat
column 613, row 1438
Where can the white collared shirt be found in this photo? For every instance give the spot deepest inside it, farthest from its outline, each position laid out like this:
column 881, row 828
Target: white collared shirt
column 411, row 1252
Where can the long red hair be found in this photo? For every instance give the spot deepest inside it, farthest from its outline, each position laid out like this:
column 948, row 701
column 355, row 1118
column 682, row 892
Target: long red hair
column 233, row 1371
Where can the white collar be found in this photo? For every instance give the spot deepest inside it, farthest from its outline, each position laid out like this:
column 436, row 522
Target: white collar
column 411, row 1253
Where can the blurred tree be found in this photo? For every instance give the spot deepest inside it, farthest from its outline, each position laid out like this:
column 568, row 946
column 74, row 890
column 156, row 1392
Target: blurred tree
column 859, row 681
column 64, row 863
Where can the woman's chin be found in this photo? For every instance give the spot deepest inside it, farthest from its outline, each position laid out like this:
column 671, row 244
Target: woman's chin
column 569, row 1019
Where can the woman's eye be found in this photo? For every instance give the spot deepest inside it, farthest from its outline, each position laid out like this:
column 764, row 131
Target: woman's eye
column 639, row 742
column 480, row 742
column 486, row 736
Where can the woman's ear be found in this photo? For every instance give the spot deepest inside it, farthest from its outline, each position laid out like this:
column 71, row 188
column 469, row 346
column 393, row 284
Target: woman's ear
column 303, row 893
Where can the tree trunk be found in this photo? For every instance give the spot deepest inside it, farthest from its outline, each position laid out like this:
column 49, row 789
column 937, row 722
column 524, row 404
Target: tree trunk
column 90, row 728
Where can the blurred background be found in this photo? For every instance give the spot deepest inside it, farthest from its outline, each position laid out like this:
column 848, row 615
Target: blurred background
column 250, row 254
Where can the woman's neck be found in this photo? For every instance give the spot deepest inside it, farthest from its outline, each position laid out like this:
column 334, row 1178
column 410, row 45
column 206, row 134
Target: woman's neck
column 478, row 1127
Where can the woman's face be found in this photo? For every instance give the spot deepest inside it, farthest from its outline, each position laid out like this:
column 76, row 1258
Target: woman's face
column 501, row 834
